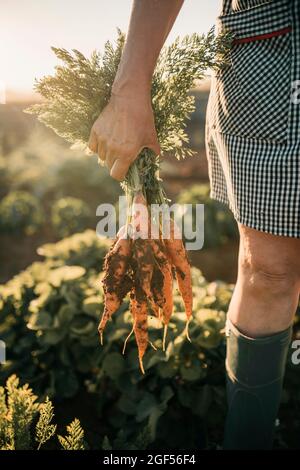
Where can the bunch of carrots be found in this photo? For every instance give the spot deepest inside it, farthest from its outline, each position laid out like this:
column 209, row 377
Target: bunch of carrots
column 73, row 98
column 144, row 267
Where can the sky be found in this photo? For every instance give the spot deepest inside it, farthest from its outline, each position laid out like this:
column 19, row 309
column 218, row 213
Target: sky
column 28, row 28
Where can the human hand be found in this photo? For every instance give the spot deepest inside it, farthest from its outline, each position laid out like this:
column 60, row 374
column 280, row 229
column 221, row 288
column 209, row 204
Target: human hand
column 122, row 130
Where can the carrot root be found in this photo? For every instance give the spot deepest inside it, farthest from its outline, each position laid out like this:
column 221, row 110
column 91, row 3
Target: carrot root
column 165, row 337
column 141, row 365
column 139, row 312
column 152, row 345
column 186, row 330
column 127, row 339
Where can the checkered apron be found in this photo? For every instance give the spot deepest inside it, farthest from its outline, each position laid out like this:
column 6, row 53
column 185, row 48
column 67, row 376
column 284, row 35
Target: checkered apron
column 253, row 116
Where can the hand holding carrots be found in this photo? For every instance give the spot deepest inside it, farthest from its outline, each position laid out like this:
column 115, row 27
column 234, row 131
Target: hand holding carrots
column 122, row 130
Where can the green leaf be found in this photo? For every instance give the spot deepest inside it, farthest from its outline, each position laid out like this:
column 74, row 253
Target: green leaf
column 53, row 336
column 127, row 405
column 167, row 369
column 166, row 394
column 65, row 315
column 40, row 321
column 92, row 306
column 74, row 440
column 209, row 339
column 155, row 358
column 146, row 406
column 82, row 326
column 44, row 429
column 113, row 365
column 191, row 371
column 65, row 274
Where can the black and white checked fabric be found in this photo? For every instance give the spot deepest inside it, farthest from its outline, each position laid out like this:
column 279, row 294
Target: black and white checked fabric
column 253, row 125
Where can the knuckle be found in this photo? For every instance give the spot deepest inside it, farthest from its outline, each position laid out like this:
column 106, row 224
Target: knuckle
column 112, row 148
column 101, row 139
column 120, row 152
column 129, row 153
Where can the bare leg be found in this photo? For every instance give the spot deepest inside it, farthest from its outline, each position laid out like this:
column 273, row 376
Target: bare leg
column 258, row 336
column 267, row 290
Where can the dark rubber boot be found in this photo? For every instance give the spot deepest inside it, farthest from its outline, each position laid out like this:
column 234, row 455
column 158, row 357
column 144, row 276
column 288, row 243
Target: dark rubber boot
column 255, row 371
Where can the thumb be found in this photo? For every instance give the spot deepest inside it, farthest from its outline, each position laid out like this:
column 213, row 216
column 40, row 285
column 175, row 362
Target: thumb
column 119, row 169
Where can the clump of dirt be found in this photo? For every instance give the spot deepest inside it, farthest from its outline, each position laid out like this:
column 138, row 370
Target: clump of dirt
column 114, row 262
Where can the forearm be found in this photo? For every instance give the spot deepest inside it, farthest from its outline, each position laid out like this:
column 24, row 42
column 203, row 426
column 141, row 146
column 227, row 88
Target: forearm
column 150, row 24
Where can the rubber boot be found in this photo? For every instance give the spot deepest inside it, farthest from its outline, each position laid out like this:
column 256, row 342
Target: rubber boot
column 255, row 371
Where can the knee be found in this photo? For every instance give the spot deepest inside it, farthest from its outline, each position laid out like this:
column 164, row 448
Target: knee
column 272, row 277
column 268, row 263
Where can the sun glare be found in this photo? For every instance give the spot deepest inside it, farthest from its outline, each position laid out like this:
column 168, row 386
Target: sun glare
column 28, row 29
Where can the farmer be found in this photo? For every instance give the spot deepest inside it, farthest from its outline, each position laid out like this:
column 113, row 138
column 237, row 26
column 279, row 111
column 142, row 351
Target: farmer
column 253, row 148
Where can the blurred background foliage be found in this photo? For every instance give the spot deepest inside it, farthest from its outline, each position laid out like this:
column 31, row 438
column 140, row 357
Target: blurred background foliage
column 50, row 301
column 49, row 315
column 20, row 212
column 49, row 191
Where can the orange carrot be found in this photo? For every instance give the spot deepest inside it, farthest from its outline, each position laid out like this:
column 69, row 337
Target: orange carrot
column 140, row 327
column 177, row 255
column 143, row 266
column 115, row 283
column 163, row 294
column 167, row 291
column 143, row 260
column 157, row 277
column 157, row 290
column 140, row 216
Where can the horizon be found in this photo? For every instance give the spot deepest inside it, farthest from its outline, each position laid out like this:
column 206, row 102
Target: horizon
column 23, row 22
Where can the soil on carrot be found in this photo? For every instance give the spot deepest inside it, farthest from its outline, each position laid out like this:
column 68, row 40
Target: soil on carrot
column 157, row 283
column 142, row 263
column 113, row 263
column 181, row 273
